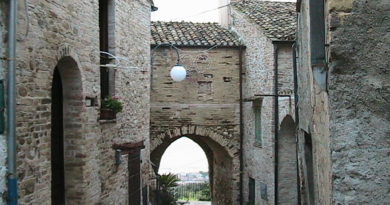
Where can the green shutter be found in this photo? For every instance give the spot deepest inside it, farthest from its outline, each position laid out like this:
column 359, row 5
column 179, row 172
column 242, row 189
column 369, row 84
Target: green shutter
column 258, row 125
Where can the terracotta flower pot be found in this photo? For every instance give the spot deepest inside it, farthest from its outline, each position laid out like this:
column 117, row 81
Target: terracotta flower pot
column 107, row 114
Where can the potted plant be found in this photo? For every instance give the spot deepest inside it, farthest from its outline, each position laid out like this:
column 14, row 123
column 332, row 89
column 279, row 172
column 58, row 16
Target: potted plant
column 110, row 106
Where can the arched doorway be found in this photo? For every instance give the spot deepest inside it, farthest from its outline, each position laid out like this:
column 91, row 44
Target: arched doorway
column 66, row 133
column 309, row 171
column 183, row 156
column 222, row 162
column 57, row 142
column 287, row 163
column 186, row 160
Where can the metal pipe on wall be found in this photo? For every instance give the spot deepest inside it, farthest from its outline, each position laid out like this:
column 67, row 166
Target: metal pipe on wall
column 296, row 117
column 241, row 130
column 11, row 105
column 276, row 120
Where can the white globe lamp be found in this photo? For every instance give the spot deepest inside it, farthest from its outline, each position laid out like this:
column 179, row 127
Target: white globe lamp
column 178, row 73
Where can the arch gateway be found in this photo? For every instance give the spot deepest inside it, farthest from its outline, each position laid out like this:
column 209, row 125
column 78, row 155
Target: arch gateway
column 221, row 151
column 205, row 107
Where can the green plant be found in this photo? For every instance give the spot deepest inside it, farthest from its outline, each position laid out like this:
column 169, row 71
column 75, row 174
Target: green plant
column 113, row 104
column 205, row 194
column 249, row 203
column 168, row 183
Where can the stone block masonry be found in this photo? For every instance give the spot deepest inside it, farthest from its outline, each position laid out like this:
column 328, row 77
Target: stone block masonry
column 259, row 78
column 65, row 34
column 205, row 107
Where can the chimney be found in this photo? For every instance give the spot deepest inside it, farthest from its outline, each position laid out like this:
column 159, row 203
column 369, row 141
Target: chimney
column 224, row 13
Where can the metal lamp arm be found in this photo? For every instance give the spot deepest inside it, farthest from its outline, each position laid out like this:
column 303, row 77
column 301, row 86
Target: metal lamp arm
column 166, row 44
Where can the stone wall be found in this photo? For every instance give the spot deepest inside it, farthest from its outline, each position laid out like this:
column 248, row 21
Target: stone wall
column 258, row 78
column 61, row 30
column 287, row 163
column 313, row 122
column 3, row 142
column 352, row 167
column 359, row 91
column 204, row 107
column 132, row 40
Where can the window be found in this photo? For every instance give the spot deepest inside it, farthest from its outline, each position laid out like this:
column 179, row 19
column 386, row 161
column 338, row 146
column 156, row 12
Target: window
column 258, row 131
column 317, row 43
column 309, row 167
column 106, row 37
column 263, row 191
column 252, row 190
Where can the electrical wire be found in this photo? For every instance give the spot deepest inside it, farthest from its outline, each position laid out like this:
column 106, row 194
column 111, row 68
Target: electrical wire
column 118, row 61
column 201, row 13
column 27, row 19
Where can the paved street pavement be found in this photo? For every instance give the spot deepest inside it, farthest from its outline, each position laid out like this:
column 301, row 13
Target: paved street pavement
column 198, row 203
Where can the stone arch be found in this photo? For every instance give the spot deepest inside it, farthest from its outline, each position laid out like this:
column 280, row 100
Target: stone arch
column 287, row 163
column 67, row 73
column 220, row 151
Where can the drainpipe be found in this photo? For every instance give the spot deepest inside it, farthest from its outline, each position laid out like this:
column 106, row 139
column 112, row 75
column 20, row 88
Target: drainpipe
column 11, row 105
column 241, row 132
column 2, row 106
column 296, row 117
column 276, row 122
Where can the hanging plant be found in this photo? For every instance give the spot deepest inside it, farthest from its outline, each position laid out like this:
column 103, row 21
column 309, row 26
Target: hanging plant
column 113, row 104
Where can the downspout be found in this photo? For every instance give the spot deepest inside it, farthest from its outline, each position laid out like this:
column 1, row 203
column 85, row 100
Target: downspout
column 296, row 117
column 241, row 132
column 276, row 121
column 11, row 106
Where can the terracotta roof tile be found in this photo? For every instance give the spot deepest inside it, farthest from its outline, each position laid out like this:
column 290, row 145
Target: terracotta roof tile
column 192, row 34
column 277, row 19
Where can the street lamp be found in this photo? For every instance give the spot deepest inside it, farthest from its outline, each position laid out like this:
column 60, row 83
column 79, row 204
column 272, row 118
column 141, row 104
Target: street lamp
column 178, row 72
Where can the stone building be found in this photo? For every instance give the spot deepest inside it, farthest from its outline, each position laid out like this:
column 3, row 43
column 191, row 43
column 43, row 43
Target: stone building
column 66, row 152
column 205, row 107
column 269, row 151
column 3, row 143
column 344, row 112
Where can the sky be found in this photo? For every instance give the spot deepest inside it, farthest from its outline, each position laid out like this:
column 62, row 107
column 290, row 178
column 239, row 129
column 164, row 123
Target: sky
column 187, row 10
column 183, row 156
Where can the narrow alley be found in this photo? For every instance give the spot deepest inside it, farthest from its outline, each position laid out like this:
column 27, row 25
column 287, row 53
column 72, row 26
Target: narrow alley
column 276, row 102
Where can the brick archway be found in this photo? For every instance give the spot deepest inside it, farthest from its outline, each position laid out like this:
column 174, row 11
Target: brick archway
column 222, row 153
column 287, row 163
column 68, row 133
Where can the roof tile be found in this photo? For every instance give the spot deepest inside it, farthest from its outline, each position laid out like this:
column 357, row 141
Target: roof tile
column 277, row 19
column 192, row 34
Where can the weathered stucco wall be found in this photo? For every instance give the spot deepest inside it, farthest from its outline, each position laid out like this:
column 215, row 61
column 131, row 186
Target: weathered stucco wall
column 204, row 107
column 352, row 167
column 359, row 91
column 70, row 29
column 258, row 78
column 313, row 121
